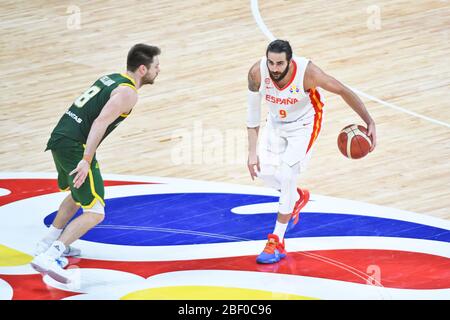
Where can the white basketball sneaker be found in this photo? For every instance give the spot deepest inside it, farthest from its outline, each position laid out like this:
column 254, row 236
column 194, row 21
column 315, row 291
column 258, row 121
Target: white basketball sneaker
column 63, row 262
column 44, row 244
column 53, row 267
column 71, row 252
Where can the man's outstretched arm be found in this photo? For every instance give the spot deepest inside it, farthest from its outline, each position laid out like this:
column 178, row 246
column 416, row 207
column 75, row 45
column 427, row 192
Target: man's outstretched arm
column 315, row 77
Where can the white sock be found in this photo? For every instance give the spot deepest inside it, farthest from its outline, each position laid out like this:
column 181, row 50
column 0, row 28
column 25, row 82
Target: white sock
column 56, row 250
column 280, row 230
column 53, row 234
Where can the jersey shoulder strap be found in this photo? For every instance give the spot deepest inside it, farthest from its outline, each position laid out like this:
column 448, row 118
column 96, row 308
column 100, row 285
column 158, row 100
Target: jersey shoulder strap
column 127, row 81
column 302, row 64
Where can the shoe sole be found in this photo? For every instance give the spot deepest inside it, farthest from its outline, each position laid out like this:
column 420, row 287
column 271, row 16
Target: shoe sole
column 38, row 268
column 58, row 277
column 50, row 273
column 270, row 261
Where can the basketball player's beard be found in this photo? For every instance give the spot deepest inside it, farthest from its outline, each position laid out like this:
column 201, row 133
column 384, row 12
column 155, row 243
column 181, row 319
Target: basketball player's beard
column 148, row 80
column 282, row 75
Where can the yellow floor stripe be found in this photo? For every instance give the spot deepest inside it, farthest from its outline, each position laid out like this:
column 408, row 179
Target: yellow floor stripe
column 10, row 257
column 209, row 293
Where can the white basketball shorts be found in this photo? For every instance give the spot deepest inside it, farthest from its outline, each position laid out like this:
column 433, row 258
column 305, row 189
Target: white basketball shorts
column 286, row 142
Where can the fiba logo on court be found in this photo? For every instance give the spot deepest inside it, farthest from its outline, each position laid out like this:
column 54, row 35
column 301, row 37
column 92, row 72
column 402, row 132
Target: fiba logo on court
column 209, row 241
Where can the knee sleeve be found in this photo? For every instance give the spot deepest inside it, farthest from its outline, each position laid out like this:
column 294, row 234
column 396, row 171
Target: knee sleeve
column 288, row 181
column 96, row 208
column 269, row 175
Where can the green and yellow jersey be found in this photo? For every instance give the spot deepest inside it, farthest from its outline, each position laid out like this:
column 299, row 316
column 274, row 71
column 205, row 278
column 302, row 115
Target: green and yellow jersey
column 74, row 126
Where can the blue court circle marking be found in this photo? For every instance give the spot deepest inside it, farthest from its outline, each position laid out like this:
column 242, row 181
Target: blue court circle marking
column 201, row 218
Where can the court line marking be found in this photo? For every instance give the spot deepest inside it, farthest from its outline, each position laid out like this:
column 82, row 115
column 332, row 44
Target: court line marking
column 360, row 274
column 171, row 230
column 262, row 26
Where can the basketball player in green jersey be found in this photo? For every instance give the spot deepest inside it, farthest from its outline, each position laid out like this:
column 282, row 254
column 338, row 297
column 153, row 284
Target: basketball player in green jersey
column 73, row 144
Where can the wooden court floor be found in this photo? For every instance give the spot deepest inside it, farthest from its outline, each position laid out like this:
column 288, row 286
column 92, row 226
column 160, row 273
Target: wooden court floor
column 191, row 122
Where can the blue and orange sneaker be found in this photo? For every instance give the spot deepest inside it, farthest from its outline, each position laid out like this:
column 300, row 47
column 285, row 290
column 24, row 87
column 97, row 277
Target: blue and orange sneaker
column 301, row 202
column 273, row 252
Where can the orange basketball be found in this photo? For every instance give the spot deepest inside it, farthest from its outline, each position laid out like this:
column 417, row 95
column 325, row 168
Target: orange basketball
column 353, row 141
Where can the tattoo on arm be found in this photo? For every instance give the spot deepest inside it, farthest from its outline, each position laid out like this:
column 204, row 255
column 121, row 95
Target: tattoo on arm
column 253, row 81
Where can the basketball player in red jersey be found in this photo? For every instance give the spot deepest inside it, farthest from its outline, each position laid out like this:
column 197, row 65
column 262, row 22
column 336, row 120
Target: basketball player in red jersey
column 290, row 86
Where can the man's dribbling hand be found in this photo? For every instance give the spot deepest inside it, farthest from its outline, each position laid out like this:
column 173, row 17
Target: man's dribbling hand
column 372, row 133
